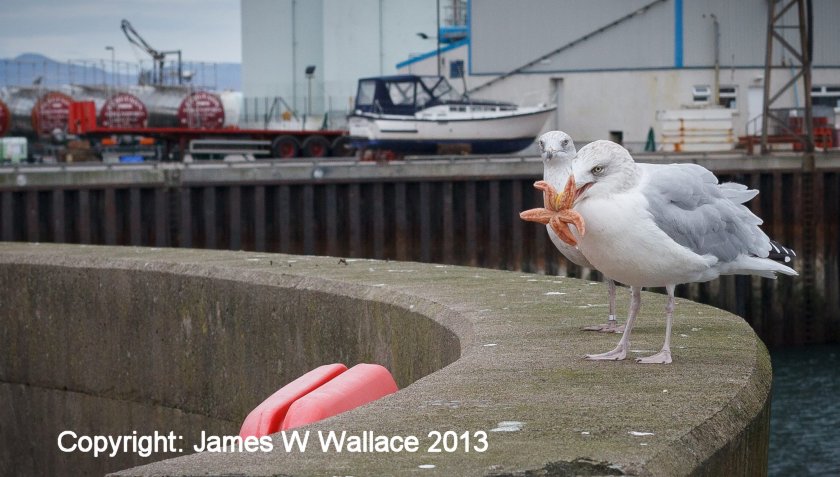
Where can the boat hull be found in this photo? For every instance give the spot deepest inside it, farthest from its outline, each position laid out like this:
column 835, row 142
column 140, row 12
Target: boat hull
column 500, row 134
column 438, row 146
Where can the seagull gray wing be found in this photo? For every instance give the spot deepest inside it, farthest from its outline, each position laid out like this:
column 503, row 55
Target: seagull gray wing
column 738, row 193
column 690, row 206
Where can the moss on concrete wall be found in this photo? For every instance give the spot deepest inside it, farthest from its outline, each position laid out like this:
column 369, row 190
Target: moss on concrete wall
column 107, row 339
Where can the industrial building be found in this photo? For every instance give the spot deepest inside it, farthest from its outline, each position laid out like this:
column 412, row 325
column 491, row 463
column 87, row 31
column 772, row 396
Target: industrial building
column 342, row 40
column 613, row 67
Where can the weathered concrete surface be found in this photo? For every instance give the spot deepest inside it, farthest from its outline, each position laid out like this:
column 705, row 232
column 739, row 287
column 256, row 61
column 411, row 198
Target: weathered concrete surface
column 207, row 335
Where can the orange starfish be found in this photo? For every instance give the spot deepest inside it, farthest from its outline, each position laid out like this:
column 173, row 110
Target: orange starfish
column 557, row 211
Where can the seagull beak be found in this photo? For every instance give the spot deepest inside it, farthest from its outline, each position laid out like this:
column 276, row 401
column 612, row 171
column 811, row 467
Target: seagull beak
column 578, row 190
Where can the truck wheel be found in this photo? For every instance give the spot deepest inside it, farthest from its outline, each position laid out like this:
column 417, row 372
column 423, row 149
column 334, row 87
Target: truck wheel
column 342, row 147
column 285, row 147
column 316, row 146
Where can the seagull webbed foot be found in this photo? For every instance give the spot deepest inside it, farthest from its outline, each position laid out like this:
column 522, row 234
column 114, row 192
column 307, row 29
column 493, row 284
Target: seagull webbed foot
column 662, row 357
column 617, row 354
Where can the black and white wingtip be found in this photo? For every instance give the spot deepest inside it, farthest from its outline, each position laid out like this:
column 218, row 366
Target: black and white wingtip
column 780, row 253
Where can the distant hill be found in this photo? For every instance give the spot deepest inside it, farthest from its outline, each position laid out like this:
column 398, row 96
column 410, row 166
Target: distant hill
column 31, row 57
column 34, row 68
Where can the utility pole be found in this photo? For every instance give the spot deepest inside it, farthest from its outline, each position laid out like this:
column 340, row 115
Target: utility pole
column 437, row 38
column 113, row 69
column 716, row 93
column 310, row 73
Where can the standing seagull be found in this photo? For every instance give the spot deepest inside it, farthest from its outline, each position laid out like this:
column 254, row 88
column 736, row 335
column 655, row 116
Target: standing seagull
column 662, row 225
column 558, row 150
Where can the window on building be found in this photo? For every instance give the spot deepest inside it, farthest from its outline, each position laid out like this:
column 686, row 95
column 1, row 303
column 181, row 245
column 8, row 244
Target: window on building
column 825, row 96
column 701, row 93
column 728, row 97
column 456, row 68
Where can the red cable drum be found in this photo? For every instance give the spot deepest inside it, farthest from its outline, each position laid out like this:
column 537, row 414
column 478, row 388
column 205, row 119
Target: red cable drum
column 5, row 118
column 201, row 110
column 123, row 110
column 51, row 112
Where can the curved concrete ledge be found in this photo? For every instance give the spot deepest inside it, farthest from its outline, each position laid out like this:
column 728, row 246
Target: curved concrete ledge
column 106, row 340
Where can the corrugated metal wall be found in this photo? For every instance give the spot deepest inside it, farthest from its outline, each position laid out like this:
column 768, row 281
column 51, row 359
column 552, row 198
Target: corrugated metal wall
column 506, row 35
column 466, row 221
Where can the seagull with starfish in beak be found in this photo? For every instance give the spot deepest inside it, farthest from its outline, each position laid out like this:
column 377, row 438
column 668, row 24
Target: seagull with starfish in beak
column 558, row 151
column 661, row 225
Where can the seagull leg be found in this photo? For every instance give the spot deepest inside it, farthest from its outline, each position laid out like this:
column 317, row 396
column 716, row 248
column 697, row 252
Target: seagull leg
column 620, row 351
column 664, row 356
column 612, row 325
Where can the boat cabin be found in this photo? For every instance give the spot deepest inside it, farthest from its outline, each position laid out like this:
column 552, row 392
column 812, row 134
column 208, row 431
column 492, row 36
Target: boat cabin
column 403, row 94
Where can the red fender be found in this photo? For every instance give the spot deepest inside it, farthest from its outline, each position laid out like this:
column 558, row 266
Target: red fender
column 267, row 418
column 357, row 386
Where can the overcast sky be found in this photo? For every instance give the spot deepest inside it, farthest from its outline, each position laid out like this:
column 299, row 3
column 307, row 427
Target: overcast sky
column 205, row 30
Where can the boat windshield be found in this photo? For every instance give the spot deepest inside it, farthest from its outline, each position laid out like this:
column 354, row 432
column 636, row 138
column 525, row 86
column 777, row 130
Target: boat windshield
column 366, row 94
column 403, row 94
column 439, row 88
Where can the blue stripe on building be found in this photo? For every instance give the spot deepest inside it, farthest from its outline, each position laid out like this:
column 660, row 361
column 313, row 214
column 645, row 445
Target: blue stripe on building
column 678, row 33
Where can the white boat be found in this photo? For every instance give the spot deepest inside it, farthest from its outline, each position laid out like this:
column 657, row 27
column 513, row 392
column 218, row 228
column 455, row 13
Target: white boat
column 425, row 115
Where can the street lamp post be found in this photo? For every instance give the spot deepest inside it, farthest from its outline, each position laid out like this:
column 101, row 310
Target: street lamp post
column 310, row 73
column 113, row 62
column 716, row 95
column 437, row 38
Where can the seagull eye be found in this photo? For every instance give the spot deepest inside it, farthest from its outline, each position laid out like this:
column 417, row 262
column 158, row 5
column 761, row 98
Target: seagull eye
column 597, row 170
column 565, row 142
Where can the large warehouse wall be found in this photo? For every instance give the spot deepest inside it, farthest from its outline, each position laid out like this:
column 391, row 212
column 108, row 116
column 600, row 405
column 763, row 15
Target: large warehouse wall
column 280, row 38
column 743, row 29
column 266, row 51
column 826, row 33
column 368, row 37
column 618, row 80
column 507, row 35
column 344, row 40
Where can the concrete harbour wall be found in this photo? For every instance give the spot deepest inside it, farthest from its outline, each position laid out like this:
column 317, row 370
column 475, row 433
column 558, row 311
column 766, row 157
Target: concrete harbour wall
column 106, row 340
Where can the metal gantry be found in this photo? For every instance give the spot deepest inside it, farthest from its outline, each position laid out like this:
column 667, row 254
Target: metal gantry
column 801, row 64
column 158, row 57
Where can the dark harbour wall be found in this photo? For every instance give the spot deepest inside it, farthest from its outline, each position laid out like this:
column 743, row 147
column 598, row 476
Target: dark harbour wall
column 105, row 340
column 460, row 211
column 111, row 347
